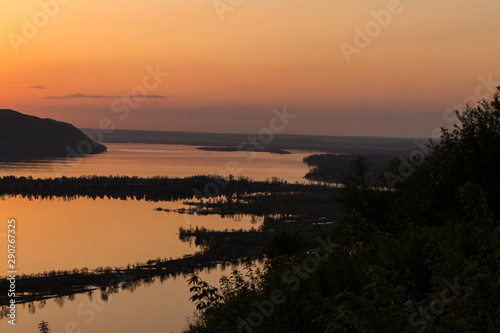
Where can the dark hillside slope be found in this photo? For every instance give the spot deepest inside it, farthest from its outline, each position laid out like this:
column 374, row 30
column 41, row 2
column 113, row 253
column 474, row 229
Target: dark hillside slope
column 23, row 136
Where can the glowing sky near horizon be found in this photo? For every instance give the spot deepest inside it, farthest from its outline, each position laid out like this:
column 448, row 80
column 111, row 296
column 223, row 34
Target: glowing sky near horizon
column 227, row 75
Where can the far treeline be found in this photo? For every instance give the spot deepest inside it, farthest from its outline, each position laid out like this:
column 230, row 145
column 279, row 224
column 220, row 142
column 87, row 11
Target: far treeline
column 150, row 189
column 331, row 168
column 421, row 254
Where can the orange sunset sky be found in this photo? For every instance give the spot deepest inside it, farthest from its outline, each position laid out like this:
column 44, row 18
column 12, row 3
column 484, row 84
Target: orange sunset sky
column 230, row 62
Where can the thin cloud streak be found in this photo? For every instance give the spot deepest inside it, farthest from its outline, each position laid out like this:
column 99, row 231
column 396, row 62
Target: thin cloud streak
column 79, row 95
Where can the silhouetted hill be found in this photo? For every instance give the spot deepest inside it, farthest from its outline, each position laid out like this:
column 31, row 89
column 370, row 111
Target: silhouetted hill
column 23, row 136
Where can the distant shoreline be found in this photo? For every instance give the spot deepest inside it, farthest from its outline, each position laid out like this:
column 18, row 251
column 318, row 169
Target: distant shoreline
column 232, row 149
column 286, row 142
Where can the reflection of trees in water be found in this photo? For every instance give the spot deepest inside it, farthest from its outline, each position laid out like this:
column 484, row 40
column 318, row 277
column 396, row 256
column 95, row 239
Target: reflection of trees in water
column 130, row 286
column 106, row 291
column 258, row 206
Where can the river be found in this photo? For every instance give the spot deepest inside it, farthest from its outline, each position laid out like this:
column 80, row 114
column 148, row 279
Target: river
column 62, row 234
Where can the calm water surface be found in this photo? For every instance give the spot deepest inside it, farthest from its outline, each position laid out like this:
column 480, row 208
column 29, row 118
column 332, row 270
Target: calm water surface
column 147, row 160
column 62, row 235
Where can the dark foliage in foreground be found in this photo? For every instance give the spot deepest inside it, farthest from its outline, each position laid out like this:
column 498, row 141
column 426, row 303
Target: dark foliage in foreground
column 43, row 326
column 420, row 254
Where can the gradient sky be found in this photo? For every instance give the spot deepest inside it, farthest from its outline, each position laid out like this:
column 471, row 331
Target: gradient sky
column 227, row 75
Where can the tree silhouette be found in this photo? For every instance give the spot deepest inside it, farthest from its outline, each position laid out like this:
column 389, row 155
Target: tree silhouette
column 44, row 327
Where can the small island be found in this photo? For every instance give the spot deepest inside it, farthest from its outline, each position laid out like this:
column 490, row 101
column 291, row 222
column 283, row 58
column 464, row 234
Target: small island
column 230, row 149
